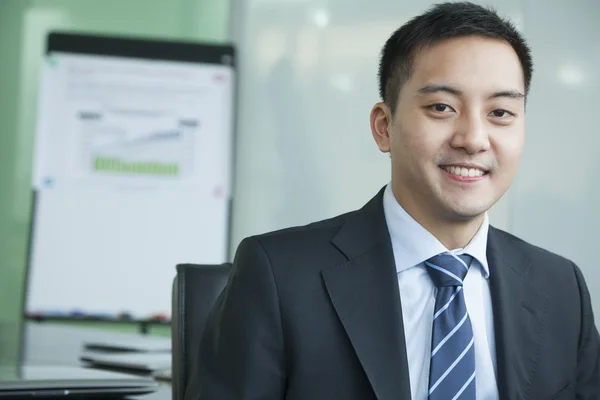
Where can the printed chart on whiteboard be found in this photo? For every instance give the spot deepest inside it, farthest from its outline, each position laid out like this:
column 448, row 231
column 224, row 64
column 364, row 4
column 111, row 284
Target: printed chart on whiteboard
column 134, row 144
column 132, row 173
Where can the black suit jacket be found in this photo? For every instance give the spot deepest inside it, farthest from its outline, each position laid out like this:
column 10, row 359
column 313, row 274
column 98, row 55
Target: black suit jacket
column 314, row 313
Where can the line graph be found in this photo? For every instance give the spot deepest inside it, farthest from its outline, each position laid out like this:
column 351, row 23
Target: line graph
column 133, row 146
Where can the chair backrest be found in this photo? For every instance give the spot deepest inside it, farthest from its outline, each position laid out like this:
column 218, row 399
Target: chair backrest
column 195, row 290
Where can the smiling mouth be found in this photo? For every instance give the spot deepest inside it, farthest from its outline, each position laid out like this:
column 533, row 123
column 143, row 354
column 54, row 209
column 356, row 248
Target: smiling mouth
column 465, row 172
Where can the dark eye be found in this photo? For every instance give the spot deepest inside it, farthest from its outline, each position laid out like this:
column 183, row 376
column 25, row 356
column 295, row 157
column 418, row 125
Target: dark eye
column 441, row 108
column 501, row 113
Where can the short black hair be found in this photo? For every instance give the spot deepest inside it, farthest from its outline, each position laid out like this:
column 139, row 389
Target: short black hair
column 441, row 22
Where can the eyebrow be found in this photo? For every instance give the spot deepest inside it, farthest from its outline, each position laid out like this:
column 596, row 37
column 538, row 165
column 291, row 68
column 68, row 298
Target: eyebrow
column 435, row 88
column 511, row 94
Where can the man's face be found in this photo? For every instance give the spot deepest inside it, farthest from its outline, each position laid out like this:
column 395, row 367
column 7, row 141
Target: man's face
column 457, row 133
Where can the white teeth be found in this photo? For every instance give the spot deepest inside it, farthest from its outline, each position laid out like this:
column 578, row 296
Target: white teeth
column 475, row 172
column 470, row 172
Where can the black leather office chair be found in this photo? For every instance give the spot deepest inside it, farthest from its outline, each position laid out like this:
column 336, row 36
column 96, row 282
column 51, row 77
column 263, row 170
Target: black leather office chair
column 195, row 290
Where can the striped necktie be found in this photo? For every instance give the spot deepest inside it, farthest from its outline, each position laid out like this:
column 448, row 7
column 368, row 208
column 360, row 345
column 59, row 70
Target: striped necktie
column 452, row 369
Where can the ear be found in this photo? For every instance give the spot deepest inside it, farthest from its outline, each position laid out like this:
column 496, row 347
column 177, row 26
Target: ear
column 381, row 121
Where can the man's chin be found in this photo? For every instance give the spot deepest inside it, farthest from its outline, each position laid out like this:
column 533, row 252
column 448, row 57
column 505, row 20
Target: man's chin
column 465, row 212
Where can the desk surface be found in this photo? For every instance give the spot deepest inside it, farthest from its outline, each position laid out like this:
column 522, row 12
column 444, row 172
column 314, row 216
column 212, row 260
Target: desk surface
column 46, row 344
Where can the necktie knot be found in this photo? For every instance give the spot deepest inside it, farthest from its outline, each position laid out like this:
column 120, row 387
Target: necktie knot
column 448, row 269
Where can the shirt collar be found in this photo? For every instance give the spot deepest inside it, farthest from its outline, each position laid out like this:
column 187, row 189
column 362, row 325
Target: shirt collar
column 413, row 244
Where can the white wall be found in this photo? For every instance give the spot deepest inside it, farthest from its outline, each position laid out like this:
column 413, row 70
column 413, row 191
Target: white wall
column 556, row 201
column 308, row 81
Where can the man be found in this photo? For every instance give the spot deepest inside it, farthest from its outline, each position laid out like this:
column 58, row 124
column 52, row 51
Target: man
column 414, row 296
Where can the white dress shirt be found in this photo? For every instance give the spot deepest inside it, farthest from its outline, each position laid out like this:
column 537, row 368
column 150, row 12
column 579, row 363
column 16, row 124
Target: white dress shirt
column 412, row 245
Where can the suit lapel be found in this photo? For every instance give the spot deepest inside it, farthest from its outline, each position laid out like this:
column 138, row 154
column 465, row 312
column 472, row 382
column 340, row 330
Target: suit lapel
column 519, row 310
column 364, row 292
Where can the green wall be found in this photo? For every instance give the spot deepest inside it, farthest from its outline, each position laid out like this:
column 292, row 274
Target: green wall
column 23, row 28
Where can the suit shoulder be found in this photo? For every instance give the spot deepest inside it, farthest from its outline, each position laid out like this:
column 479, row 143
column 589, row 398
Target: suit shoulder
column 319, row 230
column 299, row 248
column 535, row 253
column 546, row 271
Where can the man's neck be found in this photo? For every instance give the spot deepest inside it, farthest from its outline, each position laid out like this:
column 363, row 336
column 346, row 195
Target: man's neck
column 454, row 234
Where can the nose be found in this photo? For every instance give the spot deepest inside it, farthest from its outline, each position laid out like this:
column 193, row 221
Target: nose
column 470, row 134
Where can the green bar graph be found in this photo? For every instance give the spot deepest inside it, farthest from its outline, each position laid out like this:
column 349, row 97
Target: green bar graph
column 117, row 165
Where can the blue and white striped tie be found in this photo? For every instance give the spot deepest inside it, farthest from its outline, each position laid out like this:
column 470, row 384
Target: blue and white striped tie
column 452, row 370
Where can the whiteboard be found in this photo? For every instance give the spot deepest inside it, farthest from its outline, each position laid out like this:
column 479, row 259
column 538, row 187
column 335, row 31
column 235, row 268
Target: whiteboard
column 132, row 173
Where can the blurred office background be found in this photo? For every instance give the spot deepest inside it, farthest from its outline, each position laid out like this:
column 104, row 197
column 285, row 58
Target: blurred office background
column 307, row 81
column 24, row 25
